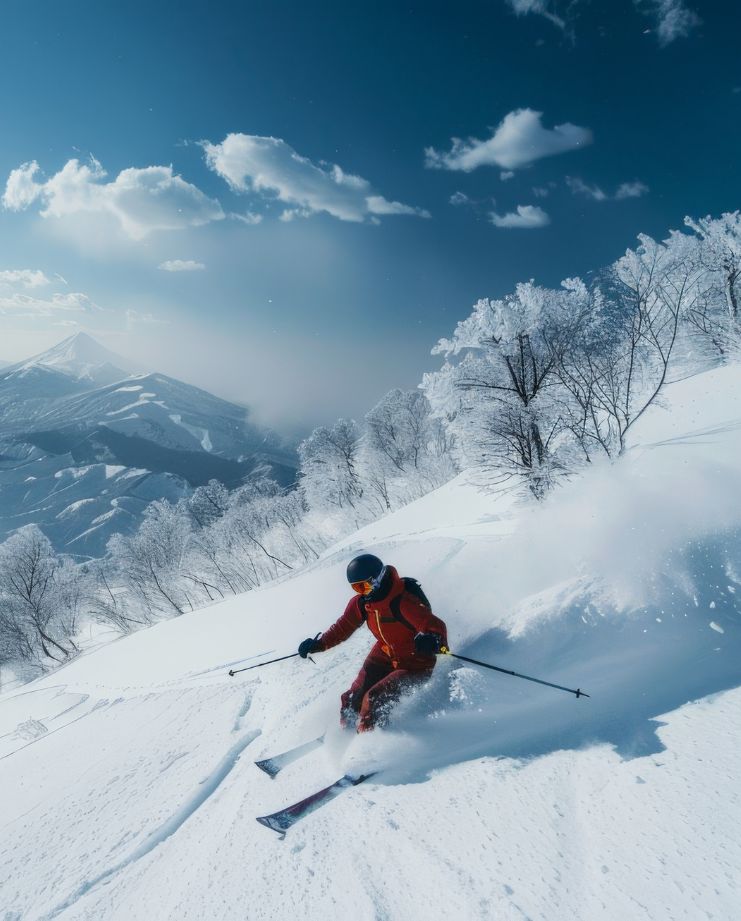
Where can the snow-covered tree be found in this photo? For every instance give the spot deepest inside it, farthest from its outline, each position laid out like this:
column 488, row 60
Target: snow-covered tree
column 150, row 563
column 512, row 348
column 406, row 450
column 329, row 466
column 40, row 599
column 717, row 316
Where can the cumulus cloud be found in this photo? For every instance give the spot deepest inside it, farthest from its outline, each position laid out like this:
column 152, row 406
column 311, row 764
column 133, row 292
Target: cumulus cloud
column 141, row 200
column 519, row 140
column 626, row 190
column 673, row 19
column 27, row 278
column 527, row 217
column 269, row 166
column 181, row 265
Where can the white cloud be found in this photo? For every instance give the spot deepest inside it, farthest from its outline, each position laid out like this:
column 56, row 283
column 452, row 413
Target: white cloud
column 21, row 188
column 141, row 200
column 527, row 217
column 541, row 191
column 506, row 175
column 540, row 7
column 459, row 198
column 271, row 167
column 249, row 217
column 626, row 190
column 27, row 278
column 519, row 140
column 673, row 19
column 631, row 190
column 181, row 265
column 134, row 319
column 23, row 305
column 579, row 187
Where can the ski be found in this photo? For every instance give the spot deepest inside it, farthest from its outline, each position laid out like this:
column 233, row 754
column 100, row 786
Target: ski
column 273, row 766
column 284, row 819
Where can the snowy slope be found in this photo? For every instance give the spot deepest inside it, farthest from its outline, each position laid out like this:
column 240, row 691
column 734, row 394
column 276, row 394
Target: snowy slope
column 127, row 789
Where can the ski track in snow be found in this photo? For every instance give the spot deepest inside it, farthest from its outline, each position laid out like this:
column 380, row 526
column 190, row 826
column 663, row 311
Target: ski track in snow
column 208, row 786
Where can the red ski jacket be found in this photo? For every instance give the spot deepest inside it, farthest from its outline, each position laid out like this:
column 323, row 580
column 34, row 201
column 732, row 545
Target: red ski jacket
column 393, row 620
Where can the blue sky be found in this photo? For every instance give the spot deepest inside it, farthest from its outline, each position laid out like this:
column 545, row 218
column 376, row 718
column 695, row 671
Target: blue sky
column 265, row 199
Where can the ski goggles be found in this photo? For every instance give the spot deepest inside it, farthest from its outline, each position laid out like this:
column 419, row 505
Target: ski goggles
column 366, row 586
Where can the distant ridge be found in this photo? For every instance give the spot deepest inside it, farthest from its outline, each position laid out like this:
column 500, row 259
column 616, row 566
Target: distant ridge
column 89, row 439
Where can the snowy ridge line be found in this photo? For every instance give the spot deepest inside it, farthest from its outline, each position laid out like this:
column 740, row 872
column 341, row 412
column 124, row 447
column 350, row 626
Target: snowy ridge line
column 206, row 789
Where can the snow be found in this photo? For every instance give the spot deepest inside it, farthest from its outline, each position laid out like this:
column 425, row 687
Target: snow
column 131, row 389
column 73, row 472
column 112, row 470
column 199, row 433
column 496, row 798
column 74, row 506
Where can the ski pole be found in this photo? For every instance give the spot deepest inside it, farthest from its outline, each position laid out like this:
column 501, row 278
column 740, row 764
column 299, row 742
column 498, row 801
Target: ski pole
column 495, row 668
column 233, row 672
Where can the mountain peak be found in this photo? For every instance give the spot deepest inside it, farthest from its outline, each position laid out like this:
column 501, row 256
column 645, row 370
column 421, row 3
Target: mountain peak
column 81, row 357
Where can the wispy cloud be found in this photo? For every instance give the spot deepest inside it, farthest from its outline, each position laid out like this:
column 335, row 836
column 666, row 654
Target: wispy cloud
column 23, row 305
column 673, row 18
column 579, row 187
column 136, row 319
column 457, row 199
column 270, row 167
column 631, row 190
column 141, row 200
column 249, row 217
column 539, row 7
column 181, row 265
column 634, row 189
column 519, row 140
column 27, row 278
column 526, row 217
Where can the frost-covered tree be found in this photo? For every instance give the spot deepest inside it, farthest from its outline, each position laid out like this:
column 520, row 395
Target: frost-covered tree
column 512, row 348
column 150, row 563
column 717, row 316
column 207, row 503
column 40, row 599
column 406, row 449
column 329, row 466
column 653, row 287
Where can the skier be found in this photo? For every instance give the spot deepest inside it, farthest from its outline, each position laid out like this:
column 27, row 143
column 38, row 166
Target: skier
column 408, row 637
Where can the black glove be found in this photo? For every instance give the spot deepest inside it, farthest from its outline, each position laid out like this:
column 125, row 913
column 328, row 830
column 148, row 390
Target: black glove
column 427, row 644
column 309, row 645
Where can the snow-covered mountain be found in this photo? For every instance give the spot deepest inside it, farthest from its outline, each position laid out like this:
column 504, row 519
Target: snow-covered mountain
column 89, row 438
column 127, row 787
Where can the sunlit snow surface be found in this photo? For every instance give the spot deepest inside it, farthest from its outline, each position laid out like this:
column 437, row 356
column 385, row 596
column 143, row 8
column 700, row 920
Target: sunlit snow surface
column 127, row 789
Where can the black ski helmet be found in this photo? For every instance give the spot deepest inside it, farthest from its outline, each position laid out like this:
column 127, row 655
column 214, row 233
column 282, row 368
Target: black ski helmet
column 364, row 568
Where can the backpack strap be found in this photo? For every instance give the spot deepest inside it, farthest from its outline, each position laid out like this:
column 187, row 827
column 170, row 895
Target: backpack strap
column 395, row 608
column 363, row 609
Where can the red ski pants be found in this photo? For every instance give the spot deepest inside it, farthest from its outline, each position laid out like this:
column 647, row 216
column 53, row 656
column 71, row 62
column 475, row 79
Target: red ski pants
column 377, row 687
